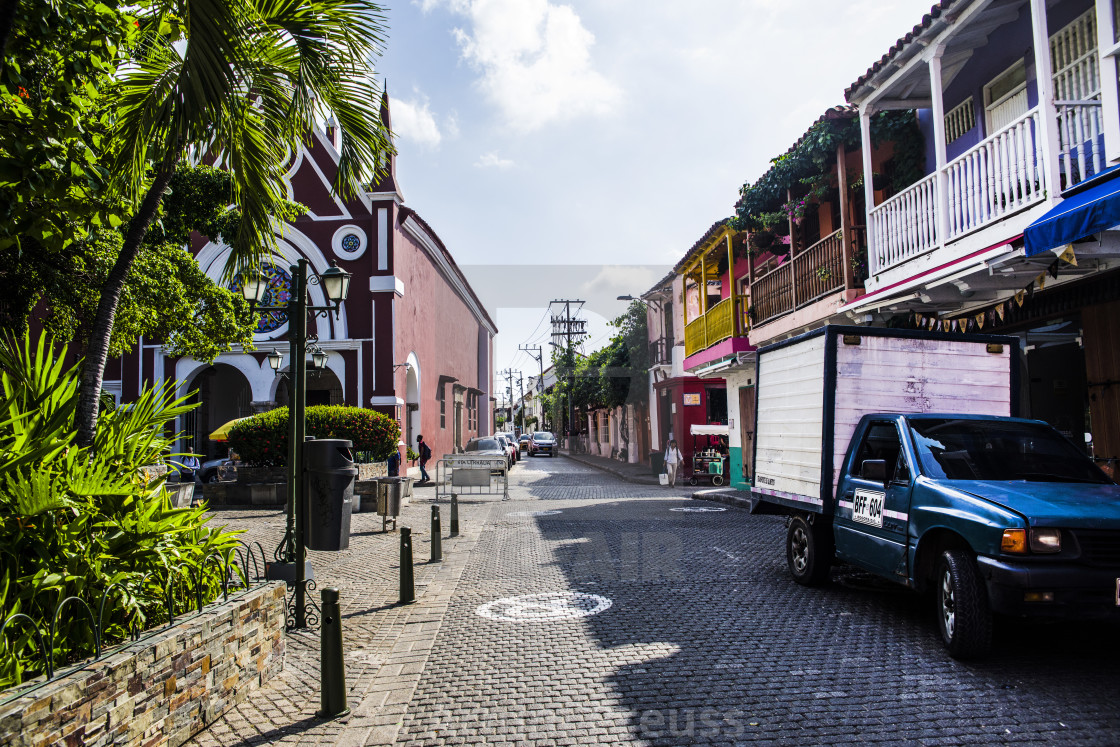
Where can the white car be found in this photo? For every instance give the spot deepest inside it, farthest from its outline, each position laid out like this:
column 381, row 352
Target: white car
column 511, row 447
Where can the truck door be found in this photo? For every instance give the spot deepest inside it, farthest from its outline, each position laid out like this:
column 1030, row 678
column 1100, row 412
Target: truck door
column 871, row 520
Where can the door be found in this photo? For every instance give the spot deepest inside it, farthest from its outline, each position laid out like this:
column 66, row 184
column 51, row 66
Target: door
column 746, row 429
column 873, row 510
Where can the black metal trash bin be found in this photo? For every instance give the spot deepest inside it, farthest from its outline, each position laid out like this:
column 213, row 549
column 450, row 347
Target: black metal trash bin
column 656, row 461
column 329, row 475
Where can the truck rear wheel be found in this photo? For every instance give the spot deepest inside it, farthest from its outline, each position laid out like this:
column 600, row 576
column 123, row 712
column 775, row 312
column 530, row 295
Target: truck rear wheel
column 808, row 552
column 962, row 606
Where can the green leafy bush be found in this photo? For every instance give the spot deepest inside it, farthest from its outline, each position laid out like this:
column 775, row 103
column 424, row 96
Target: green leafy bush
column 262, row 440
column 82, row 521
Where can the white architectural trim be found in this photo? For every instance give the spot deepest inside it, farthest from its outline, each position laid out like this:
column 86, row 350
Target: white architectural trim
column 385, row 284
column 386, row 401
column 436, row 254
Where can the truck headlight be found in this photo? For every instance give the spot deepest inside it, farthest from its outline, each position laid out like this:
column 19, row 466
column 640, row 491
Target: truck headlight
column 1014, row 540
column 1046, row 540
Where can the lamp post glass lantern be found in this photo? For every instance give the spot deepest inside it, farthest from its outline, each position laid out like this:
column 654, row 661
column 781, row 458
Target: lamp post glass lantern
column 336, row 286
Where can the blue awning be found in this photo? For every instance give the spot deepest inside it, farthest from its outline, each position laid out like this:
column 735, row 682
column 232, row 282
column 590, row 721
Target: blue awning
column 1083, row 214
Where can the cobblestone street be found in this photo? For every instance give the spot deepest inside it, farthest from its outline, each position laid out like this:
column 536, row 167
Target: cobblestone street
column 658, row 620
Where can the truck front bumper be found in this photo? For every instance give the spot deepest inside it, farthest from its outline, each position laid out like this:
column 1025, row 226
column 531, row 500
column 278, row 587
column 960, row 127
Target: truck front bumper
column 1071, row 591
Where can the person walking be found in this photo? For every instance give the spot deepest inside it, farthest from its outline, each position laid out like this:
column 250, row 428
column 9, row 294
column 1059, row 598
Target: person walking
column 673, row 459
column 189, row 467
column 425, row 455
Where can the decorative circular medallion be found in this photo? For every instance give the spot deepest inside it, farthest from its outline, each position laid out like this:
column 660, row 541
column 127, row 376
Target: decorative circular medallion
column 349, row 242
column 697, row 510
column 556, row 605
column 279, row 293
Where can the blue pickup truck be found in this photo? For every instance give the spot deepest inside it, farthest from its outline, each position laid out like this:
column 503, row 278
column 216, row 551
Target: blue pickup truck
column 993, row 513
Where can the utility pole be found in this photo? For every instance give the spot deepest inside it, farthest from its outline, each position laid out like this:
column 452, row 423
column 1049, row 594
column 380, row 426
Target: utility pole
column 566, row 327
column 521, row 391
column 539, row 355
column 508, row 375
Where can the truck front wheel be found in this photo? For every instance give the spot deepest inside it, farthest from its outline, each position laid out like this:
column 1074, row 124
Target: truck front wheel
column 808, row 552
column 962, row 606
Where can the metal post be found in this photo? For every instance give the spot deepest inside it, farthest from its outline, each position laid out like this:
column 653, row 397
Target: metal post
column 437, row 540
column 332, row 668
column 408, row 588
column 297, row 324
column 454, row 515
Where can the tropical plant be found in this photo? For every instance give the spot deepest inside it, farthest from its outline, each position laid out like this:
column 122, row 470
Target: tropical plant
column 262, row 440
column 243, row 80
column 83, row 522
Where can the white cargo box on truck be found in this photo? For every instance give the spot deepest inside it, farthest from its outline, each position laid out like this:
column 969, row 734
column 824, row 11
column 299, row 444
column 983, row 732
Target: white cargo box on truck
column 813, row 389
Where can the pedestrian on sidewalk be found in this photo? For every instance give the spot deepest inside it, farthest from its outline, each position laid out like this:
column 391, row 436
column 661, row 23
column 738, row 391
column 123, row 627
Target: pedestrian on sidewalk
column 425, row 455
column 673, row 459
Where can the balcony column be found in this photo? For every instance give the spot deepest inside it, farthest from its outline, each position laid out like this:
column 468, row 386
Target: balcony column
column 1048, row 118
column 1110, row 100
column 792, row 250
column 865, row 113
column 937, row 96
column 704, row 296
column 845, row 227
column 736, row 327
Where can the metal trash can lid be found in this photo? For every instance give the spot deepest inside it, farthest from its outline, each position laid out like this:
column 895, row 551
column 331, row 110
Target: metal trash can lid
column 328, row 453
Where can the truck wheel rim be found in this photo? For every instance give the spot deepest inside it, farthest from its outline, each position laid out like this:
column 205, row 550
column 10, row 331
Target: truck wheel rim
column 800, row 545
column 948, row 604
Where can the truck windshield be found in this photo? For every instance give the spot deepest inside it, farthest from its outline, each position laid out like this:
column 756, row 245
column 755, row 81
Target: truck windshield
column 951, row 449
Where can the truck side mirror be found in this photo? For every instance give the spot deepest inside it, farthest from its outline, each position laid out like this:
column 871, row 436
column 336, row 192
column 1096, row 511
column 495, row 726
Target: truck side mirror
column 874, row 470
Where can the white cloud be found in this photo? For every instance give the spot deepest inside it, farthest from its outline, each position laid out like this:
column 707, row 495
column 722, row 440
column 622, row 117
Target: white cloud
column 534, row 58
column 492, row 160
column 413, row 120
column 625, row 278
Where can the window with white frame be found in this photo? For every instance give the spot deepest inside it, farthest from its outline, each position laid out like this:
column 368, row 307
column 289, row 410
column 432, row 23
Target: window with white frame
column 604, row 426
column 960, row 120
column 442, row 410
column 1005, row 98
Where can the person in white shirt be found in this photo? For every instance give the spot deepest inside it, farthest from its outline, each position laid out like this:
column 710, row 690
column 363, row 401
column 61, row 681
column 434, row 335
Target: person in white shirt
column 673, row 459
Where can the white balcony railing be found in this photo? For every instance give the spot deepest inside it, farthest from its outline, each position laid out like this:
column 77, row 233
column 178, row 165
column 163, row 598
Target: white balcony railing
column 1080, row 140
column 999, row 176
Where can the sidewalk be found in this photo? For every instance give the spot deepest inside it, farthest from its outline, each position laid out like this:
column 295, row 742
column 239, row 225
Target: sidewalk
column 635, row 473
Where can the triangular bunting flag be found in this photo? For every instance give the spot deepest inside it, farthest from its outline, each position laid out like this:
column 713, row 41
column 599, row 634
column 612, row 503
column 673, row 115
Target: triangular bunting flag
column 1001, row 310
column 1040, row 281
column 1019, row 296
column 954, row 325
column 980, row 320
column 1068, row 256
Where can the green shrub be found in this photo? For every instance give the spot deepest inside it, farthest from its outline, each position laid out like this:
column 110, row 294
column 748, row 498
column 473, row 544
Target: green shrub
column 77, row 521
column 262, row 440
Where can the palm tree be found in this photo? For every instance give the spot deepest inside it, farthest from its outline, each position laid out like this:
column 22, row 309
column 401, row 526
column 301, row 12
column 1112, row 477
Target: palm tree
column 241, row 82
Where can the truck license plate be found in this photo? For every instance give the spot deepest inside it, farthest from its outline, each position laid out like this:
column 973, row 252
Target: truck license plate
column 867, row 508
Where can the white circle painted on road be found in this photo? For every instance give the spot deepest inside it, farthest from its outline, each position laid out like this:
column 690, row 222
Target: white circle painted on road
column 697, row 509
column 555, row 605
column 535, row 513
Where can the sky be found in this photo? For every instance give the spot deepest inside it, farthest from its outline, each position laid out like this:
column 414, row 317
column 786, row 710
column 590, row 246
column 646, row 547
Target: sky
column 577, row 150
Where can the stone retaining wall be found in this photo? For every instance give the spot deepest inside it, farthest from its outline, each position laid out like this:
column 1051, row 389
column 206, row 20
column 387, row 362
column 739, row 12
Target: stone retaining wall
column 163, row 689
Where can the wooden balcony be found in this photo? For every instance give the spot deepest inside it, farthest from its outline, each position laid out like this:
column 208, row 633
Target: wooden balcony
column 809, row 276
column 724, row 320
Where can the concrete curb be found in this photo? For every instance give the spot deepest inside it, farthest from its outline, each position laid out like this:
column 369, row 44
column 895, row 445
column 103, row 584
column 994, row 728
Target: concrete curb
column 620, row 474
column 729, row 496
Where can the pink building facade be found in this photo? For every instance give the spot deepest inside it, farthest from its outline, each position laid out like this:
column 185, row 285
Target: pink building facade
column 412, row 340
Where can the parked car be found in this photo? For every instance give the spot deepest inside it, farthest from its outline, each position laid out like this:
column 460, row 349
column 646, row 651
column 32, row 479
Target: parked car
column 487, row 446
column 543, row 443
column 214, row 470
column 511, row 444
column 525, row 443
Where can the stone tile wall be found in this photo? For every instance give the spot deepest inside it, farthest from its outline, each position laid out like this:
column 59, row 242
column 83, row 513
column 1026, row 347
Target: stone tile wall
column 162, row 689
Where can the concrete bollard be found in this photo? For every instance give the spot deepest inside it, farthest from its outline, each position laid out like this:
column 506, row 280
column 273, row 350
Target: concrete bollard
column 454, row 515
column 332, row 668
column 437, row 540
column 408, row 587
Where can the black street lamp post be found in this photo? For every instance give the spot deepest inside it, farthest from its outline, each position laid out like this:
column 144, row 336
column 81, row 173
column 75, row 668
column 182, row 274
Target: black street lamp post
column 336, row 286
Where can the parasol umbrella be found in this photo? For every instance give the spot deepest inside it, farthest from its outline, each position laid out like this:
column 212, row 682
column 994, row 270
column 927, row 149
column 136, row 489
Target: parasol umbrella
column 222, row 433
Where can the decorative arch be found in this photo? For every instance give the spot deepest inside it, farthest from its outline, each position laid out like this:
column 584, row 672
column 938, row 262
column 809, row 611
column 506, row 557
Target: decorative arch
column 412, row 424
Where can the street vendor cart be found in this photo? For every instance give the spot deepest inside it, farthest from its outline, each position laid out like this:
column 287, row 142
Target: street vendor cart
column 709, row 454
